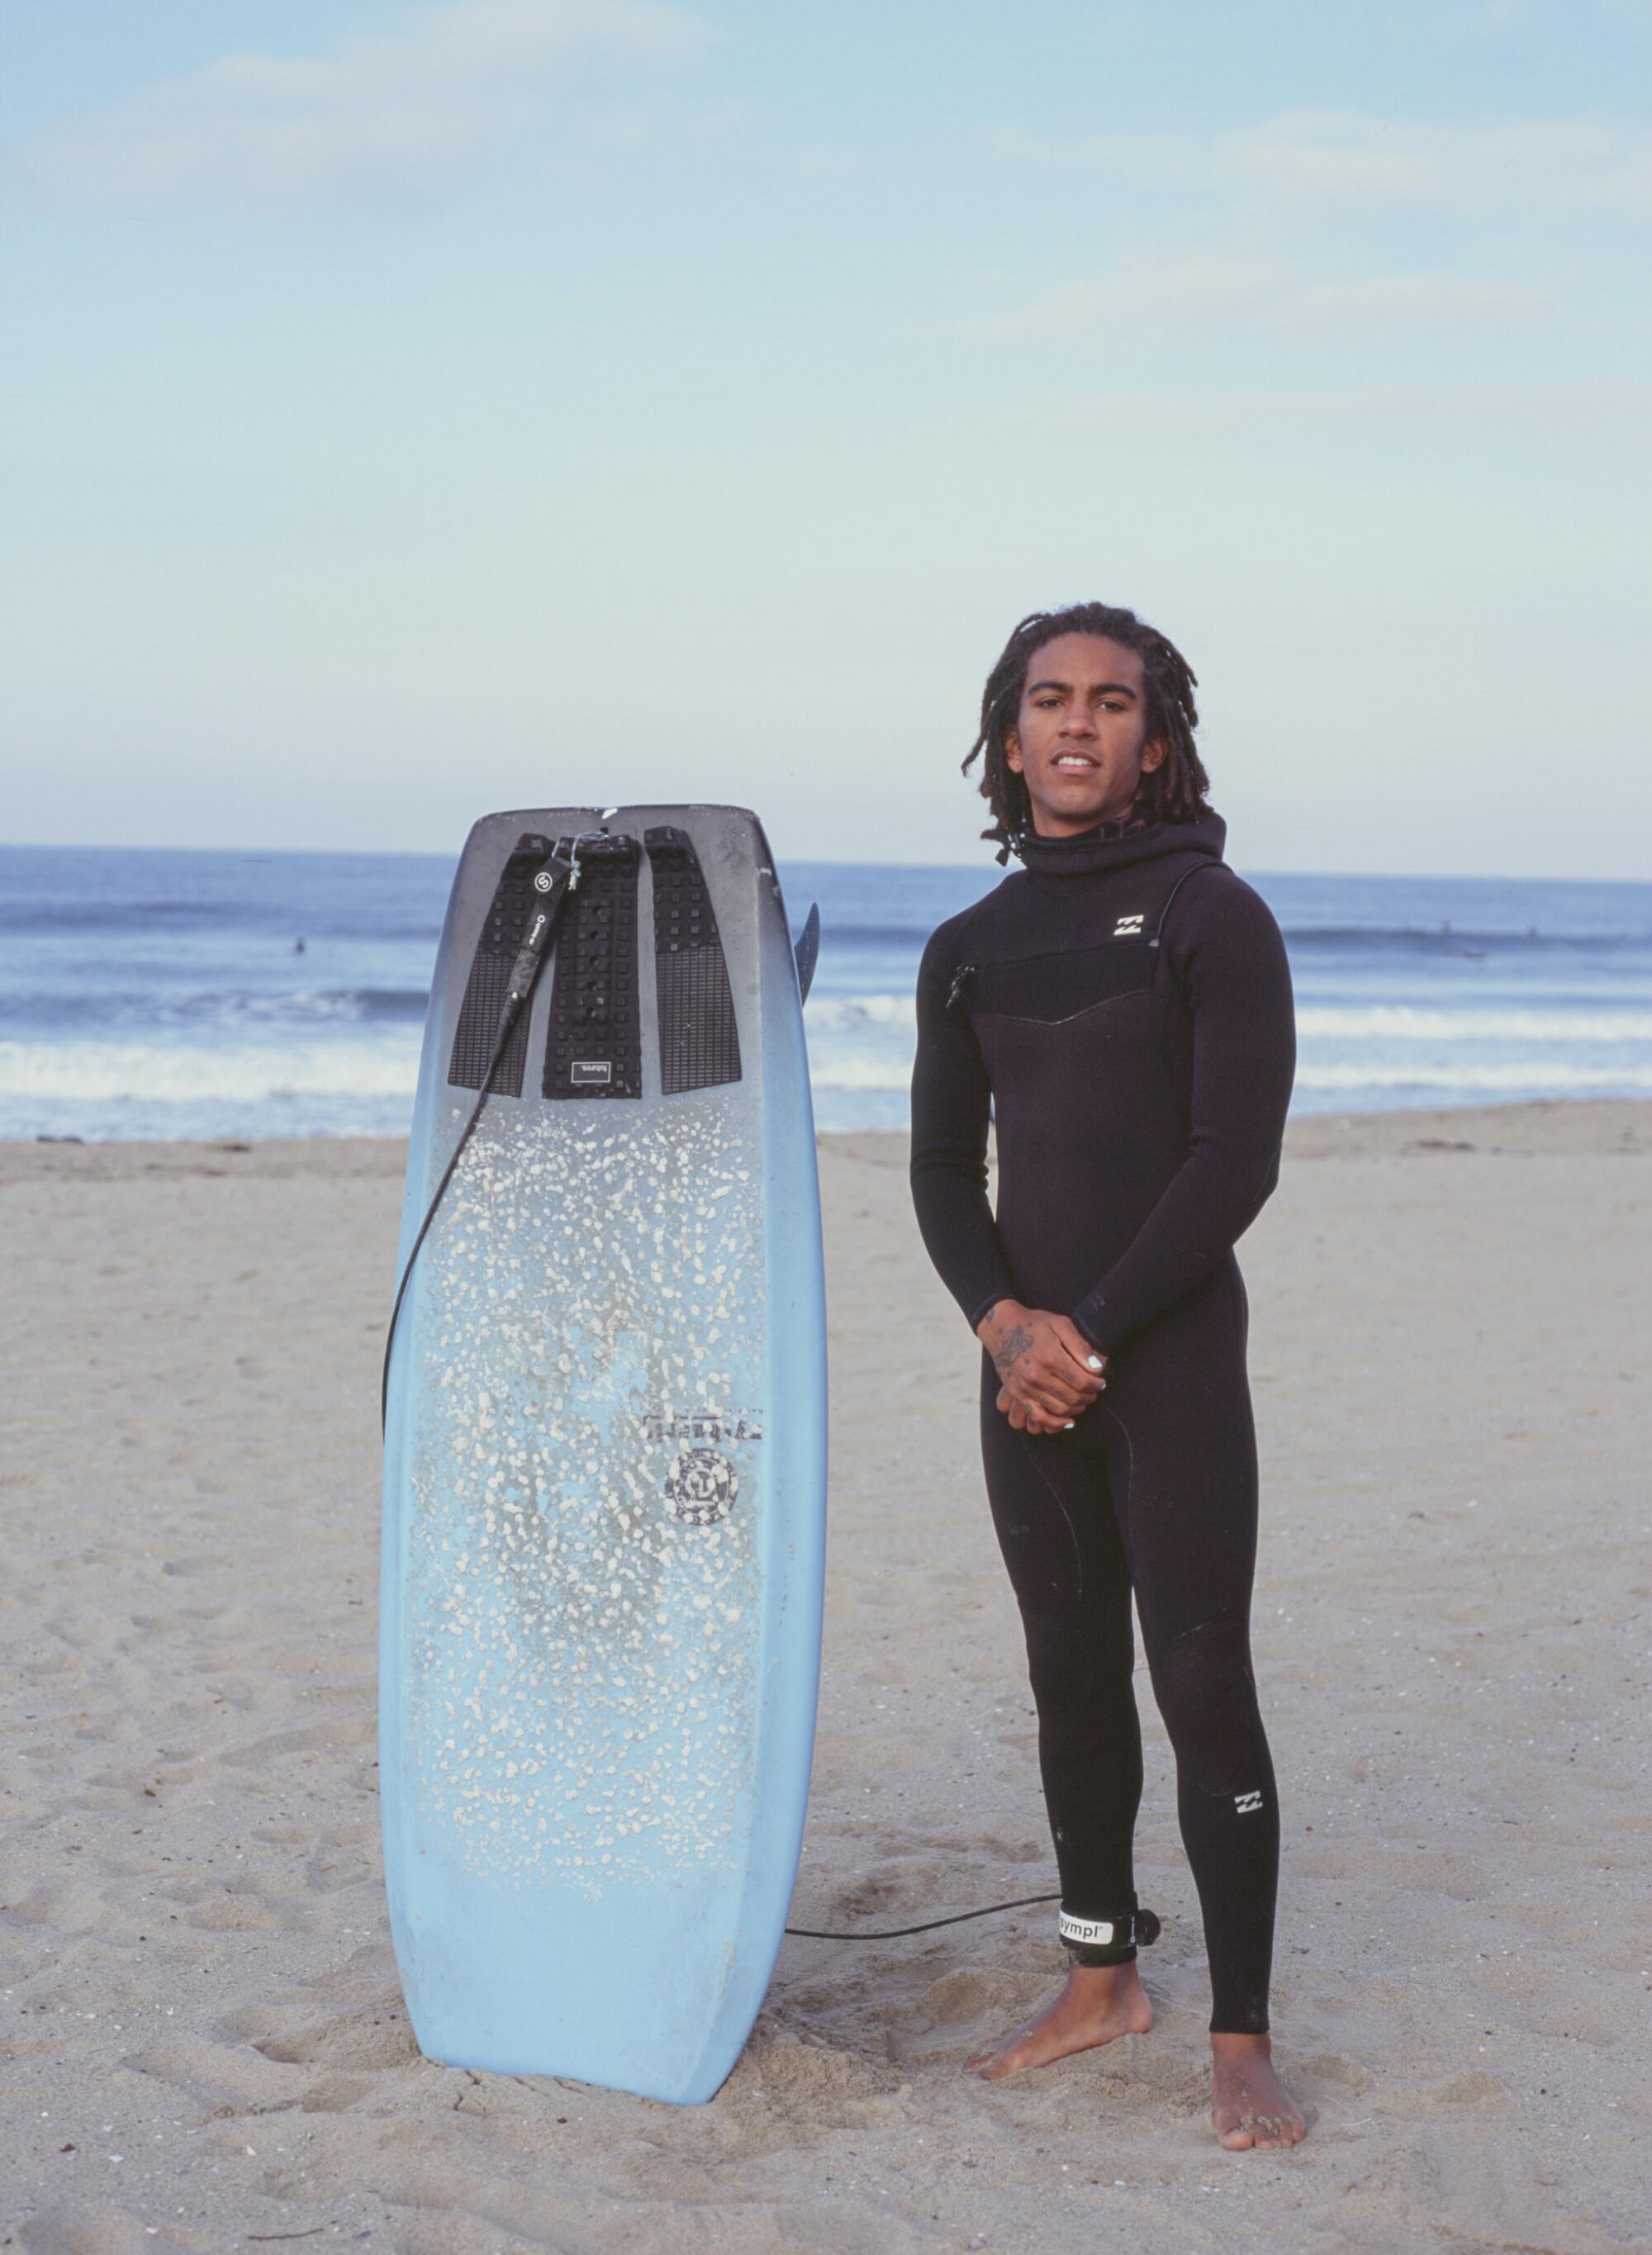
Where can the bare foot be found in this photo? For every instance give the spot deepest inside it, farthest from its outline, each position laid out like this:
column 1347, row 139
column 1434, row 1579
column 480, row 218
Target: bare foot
column 1249, row 2105
column 1099, row 2003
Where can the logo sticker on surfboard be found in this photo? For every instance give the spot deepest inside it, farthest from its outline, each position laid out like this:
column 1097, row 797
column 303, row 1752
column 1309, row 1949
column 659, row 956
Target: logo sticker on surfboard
column 702, row 1486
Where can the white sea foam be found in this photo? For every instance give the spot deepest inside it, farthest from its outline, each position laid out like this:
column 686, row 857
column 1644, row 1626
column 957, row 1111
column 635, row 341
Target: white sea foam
column 852, row 1072
column 1532, row 1076
column 1523, row 1077
column 1401, row 1022
column 338, row 1078
column 833, row 1013
column 140, row 1072
column 847, row 1014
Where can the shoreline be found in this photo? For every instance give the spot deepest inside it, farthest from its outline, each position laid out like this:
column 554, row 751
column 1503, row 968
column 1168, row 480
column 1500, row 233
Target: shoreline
column 1583, row 1123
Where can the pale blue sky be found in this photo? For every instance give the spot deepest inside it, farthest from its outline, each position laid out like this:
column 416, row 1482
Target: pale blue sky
column 414, row 410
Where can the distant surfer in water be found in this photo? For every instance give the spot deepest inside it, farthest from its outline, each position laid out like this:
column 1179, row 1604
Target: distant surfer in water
column 1122, row 1006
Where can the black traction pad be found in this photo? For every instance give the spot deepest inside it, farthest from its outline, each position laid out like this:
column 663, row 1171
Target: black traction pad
column 595, row 1047
column 502, row 936
column 698, row 1039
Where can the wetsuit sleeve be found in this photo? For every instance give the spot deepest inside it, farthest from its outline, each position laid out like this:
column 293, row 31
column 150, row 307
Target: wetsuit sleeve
column 952, row 1100
column 1229, row 960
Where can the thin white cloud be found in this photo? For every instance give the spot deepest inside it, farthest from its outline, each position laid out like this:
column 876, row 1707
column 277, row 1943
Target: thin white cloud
column 1555, row 415
column 1564, row 164
column 1319, row 224
column 1413, row 298
column 1311, row 160
column 389, row 111
column 1273, row 294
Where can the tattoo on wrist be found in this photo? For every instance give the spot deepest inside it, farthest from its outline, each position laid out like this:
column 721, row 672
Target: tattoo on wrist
column 1011, row 1345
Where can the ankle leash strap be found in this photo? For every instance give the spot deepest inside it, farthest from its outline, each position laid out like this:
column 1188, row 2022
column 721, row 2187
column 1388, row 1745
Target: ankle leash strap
column 1107, row 1940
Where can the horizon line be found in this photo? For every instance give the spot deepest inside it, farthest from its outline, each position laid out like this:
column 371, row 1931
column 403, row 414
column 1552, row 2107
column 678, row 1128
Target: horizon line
column 800, row 861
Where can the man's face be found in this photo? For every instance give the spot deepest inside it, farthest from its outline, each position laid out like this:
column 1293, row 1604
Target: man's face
column 1081, row 737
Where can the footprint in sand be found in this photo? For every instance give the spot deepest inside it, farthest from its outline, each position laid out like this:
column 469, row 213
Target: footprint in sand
column 819, row 2086
column 375, row 2035
column 86, row 2228
column 1329, row 2071
column 964, row 2006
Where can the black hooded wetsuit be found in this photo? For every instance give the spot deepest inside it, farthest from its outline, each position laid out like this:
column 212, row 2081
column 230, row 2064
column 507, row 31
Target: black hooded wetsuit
column 1123, row 1005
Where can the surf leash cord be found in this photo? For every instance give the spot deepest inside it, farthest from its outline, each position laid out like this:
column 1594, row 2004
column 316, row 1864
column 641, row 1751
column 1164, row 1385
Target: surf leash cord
column 552, row 883
column 898, row 1933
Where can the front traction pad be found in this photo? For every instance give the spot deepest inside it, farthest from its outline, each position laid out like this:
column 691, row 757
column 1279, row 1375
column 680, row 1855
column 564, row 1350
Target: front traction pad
column 698, row 1039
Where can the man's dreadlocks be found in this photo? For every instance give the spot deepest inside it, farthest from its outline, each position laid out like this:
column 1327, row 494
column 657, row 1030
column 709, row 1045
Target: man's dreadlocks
column 1177, row 788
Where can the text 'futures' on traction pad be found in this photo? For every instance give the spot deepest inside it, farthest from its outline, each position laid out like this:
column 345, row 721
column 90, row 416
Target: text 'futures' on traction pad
column 595, row 1047
column 698, row 1039
column 502, row 936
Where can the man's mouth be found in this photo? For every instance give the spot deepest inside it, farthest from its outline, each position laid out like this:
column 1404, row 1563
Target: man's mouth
column 1075, row 760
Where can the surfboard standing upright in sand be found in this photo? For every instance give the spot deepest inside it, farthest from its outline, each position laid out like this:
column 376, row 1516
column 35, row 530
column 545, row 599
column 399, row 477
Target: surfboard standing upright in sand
column 605, row 1460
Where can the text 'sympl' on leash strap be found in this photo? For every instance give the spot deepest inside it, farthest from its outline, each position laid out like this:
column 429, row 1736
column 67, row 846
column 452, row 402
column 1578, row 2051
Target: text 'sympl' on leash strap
column 552, row 884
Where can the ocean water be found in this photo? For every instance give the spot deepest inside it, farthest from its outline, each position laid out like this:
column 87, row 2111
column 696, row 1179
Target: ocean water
column 229, row 995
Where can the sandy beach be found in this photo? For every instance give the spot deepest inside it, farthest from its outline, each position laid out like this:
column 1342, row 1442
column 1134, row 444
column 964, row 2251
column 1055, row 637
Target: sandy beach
column 204, row 2046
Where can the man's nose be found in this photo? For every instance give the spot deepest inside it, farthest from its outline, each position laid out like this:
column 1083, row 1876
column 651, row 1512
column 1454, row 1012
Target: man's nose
column 1079, row 720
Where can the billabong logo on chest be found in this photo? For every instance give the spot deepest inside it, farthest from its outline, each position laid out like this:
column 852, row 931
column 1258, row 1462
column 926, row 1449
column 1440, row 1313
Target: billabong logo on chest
column 1129, row 927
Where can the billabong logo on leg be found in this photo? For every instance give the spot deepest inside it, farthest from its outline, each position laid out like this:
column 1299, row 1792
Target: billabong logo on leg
column 1244, row 1803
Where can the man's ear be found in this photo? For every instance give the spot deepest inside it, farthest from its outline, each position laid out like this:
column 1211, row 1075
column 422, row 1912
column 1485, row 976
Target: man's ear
column 1154, row 755
column 1012, row 750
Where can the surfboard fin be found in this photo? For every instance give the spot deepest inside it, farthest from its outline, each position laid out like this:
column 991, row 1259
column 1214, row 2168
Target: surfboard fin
column 805, row 948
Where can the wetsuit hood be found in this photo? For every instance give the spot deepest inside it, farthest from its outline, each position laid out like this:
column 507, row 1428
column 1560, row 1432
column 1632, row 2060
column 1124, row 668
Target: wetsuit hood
column 1105, row 848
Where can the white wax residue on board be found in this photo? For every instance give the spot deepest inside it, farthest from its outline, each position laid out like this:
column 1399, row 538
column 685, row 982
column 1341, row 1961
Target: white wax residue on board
column 583, row 1659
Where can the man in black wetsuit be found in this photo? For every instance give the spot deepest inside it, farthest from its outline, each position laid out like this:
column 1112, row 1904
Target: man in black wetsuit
column 1122, row 1006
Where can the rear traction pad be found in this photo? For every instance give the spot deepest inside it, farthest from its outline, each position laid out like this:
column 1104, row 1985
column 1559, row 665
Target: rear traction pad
column 698, row 1039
